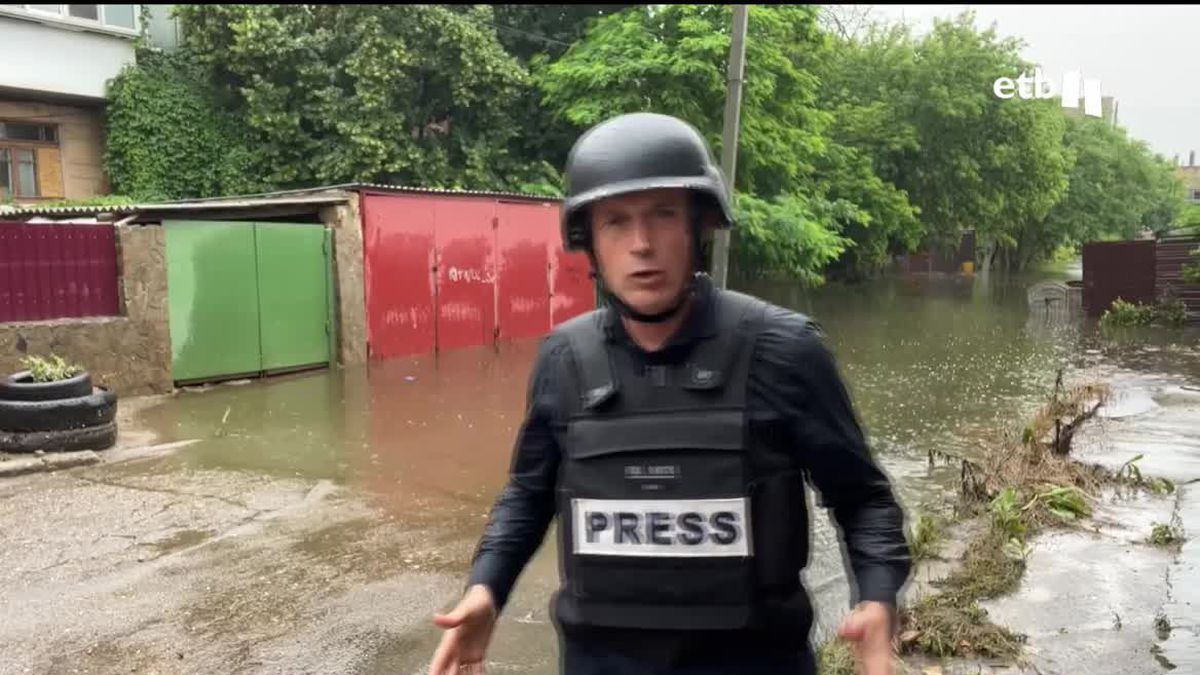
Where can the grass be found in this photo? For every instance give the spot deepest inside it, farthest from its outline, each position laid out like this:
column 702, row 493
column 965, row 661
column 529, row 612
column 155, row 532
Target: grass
column 835, row 657
column 924, row 537
column 1130, row 474
column 941, row 627
column 1162, row 534
column 49, row 369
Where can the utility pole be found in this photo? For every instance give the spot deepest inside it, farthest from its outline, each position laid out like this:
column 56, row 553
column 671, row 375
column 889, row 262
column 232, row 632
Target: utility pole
column 729, row 135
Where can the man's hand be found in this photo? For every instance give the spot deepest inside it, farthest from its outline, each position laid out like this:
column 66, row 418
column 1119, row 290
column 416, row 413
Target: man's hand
column 468, row 631
column 869, row 627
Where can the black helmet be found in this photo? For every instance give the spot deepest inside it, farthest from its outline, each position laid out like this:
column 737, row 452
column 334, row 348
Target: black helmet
column 634, row 152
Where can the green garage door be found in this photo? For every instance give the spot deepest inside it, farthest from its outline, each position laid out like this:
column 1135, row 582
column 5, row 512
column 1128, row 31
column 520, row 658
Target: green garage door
column 292, row 295
column 246, row 298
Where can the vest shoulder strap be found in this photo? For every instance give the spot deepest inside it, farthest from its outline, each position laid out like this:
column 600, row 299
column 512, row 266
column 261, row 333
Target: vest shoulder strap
column 739, row 317
column 585, row 334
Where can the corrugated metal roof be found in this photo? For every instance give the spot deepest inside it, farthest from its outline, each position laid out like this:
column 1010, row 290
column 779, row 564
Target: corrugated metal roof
column 441, row 191
column 195, row 205
column 277, row 198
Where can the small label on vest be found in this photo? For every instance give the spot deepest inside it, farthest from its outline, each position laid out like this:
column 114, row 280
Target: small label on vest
column 661, row 527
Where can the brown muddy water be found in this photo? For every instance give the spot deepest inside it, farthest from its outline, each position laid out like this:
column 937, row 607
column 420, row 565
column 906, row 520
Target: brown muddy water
column 318, row 521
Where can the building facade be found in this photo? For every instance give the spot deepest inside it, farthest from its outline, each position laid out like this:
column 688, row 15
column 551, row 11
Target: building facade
column 1190, row 175
column 55, row 65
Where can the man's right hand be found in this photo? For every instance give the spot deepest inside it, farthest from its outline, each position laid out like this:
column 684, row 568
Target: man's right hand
column 468, row 630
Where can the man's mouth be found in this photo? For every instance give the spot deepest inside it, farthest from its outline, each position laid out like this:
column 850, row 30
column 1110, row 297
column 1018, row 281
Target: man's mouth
column 647, row 275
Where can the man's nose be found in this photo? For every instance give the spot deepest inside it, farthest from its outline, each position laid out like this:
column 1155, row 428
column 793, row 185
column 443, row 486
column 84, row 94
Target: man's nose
column 640, row 237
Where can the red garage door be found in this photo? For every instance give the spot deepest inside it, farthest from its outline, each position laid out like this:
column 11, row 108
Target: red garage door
column 466, row 277
column 446, row 272
column 398, row 239
column 525, row 235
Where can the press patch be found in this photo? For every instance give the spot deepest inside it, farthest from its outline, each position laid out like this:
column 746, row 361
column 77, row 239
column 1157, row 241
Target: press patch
column 662, row 527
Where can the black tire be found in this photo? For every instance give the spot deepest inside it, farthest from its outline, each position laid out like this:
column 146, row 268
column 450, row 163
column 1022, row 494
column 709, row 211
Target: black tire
column 91, row 438
column 71, row 413
column 21, row 387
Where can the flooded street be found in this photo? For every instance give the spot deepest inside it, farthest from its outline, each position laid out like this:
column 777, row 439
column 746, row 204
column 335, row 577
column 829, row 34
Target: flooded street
column 315, row 523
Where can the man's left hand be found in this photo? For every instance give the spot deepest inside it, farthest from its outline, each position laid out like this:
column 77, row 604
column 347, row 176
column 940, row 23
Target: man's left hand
column 869, row 627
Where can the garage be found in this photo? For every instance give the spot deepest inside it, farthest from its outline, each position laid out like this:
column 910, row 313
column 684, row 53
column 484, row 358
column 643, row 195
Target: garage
column 453, row 270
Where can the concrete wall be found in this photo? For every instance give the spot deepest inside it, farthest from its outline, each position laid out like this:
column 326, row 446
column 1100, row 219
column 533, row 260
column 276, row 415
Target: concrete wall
column 349, row 292
column 81, row 141
column 56, row 60
column 130, row 354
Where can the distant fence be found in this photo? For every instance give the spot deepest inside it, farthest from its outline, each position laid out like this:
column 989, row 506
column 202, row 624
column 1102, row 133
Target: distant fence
column 1137, row 271
column 942, row 260
column 1117, row 269
column 53, row 271
column 1172, row 254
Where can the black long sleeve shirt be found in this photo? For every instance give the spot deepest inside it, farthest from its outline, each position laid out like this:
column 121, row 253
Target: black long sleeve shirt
column 794, row 385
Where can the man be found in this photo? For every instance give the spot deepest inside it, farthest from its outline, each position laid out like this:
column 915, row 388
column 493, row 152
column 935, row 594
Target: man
column 671, row 433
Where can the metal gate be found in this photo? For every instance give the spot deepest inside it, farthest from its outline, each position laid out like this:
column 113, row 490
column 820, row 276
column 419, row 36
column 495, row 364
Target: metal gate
column 246, row 298
column 56, row 271
column 446, row 272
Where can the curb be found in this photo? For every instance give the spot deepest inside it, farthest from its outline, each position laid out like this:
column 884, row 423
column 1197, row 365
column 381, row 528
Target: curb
column 65, row 460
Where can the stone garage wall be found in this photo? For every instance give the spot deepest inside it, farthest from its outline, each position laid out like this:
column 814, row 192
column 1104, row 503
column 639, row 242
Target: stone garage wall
column 130, row 354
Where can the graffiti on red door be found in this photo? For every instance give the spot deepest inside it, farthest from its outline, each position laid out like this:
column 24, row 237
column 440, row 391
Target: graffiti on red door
column 473, row 270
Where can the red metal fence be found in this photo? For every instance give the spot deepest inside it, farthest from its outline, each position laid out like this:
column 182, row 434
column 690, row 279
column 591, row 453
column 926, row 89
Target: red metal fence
column 52, row 271
column 446, row 272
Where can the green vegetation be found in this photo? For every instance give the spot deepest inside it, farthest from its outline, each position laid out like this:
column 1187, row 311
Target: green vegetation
column 835, row 657
column 1017, row 489
column 1167, row 311
column 98, row 200
column 49, row 369
column 1162, row 534
column 1191, row 271
column 856, row 144
column 924, row 536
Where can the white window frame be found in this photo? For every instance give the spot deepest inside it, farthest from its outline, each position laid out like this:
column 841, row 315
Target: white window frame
column 64, row 19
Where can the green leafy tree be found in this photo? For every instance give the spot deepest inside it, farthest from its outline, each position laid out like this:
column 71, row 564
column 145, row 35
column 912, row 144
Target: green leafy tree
column 538, row 35
column 797, row 189
column 169, row 137
column 866, row 83
column 405, row 93
column 671, row 59
column 785, row 236
column 1117, row 187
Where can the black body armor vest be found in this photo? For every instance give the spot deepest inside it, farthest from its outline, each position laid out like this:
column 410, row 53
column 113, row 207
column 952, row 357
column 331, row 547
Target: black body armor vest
column 658, row 496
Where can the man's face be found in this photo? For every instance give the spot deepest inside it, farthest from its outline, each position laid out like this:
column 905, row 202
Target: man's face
column 643, row 247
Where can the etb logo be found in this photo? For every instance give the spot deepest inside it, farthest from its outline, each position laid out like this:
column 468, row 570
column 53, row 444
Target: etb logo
column 1040, row 87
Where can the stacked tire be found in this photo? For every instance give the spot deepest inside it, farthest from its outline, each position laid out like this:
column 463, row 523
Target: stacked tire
column 64, row 415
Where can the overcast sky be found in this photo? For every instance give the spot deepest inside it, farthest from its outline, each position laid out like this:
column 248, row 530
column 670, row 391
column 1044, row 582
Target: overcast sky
column 1147, row 56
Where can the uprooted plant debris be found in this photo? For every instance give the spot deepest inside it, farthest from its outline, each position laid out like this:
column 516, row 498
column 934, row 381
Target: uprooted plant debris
column 1018, row 488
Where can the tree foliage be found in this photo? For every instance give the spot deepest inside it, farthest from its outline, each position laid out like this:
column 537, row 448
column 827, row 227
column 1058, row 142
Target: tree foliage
column 858, row 140
column 672, row 59
column 168, row 137
column 403, row 93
